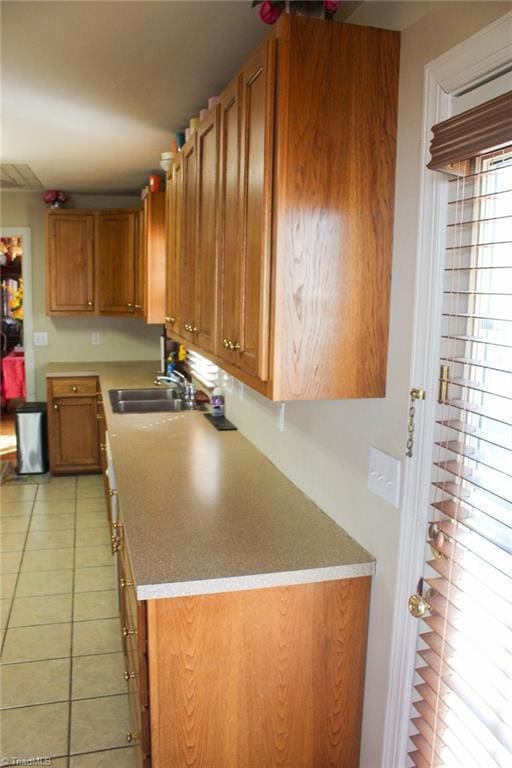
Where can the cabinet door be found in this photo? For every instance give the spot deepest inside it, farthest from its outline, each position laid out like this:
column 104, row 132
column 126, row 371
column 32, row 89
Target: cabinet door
column 73, row 428
column 70, row 263
column 115, row 248
column 188, row 242
column 206, row 243
column 229, row 263
column 154, row 249
column 140, row 265
column 255, row 201
column 174, row 219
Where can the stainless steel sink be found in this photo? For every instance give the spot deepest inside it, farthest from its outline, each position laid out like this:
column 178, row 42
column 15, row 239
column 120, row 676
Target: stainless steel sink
column 146, row 400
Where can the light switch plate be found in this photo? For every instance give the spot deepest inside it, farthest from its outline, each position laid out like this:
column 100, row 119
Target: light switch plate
column 95, row 337
column 40, row 339
column 384, row 476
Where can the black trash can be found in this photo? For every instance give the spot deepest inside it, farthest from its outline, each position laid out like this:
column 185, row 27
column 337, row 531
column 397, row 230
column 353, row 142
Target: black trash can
column 31, row 438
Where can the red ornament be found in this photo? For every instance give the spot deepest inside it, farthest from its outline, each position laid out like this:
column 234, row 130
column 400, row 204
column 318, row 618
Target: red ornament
column 270, row 13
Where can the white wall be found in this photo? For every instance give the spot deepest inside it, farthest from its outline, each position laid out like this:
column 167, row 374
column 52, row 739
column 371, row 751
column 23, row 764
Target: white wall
column 69, row 338
column 324, row 447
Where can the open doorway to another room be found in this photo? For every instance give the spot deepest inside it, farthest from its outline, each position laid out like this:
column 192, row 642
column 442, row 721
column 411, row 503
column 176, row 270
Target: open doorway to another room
column 17, row 380
column 13, row 382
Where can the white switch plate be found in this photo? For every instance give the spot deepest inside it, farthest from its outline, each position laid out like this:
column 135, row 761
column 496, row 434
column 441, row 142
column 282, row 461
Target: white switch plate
column 40, row 339
column 95, row 337
column 384, row 476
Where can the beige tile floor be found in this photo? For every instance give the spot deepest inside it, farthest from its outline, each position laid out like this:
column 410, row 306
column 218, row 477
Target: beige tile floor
column 63, row 694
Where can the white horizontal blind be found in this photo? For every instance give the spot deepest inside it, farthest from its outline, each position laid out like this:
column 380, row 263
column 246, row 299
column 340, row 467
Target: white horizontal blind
column 201, row 368
column 463, row 702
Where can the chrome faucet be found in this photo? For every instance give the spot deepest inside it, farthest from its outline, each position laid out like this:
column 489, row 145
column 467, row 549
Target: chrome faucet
column 175, row 378
column 188, row 390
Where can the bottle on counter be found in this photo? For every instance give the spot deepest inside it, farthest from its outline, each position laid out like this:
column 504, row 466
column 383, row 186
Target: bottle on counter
column 217, row 401
column 170, row 364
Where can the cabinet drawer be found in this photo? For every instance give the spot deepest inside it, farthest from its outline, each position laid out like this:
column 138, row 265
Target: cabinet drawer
column 77, row 386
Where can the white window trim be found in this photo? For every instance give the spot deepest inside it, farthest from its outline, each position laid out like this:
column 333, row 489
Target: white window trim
column 485, row 55
column 24, row 232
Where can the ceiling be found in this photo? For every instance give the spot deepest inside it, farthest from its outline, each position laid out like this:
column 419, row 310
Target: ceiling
column 92, row 91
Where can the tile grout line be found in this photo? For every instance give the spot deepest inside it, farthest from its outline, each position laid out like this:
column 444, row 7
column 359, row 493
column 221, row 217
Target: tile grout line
column 72, row 636
column 4, row 638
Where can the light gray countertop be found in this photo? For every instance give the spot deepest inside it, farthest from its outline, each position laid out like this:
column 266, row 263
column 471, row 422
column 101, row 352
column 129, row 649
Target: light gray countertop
column 205, row 511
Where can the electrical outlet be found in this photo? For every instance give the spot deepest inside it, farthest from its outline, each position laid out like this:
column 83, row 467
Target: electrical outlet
column 95, row 337
column 384, row 476
column 40, row 339
column 280, row 416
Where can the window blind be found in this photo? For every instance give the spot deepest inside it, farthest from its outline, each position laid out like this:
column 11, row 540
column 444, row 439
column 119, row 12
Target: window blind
column 463, row 694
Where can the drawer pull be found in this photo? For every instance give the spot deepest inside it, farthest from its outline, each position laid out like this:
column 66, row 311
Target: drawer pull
column 74, row 389
column 127, row 631
column 55, row 407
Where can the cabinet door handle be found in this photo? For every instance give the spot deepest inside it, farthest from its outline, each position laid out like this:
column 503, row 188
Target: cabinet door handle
column 74, row 389
column 55, row 407
column 236, row 345
column 137, row 306
column 170, row 319
column 225, row 343
column 90, row 304
column 130, row 306
column 194, row 329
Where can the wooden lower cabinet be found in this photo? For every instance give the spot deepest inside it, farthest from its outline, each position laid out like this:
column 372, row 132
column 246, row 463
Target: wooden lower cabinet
column 252, row 679
column 74, row 433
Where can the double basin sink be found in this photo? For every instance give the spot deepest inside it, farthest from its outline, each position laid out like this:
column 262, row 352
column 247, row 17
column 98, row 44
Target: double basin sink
column 146, row 400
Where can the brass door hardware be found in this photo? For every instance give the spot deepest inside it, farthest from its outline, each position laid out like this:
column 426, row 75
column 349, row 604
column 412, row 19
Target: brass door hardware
column 414, row 394
column 444, row 376
column 127, row 631
column 129, row 676
column 125, row 583
column 90, row 304
column 132, row 737
column 418, row 603
column 74, row 389
column 55, row 407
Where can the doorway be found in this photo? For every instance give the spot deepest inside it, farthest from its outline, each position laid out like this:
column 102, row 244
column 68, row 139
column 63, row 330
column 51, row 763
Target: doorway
column 17, row 365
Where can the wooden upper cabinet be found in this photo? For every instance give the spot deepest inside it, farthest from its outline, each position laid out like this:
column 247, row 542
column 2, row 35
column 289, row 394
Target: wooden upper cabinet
column 336, row 113
column 229, row 221
column 187, row 251
column 115, row 247
column 153, row 258
column 70, row 264
column 305, row 213
column 174, row 221
column 205, row 313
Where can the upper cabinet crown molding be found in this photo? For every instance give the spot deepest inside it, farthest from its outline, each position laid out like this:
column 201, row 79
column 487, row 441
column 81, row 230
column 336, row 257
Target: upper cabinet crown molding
column 305, row 213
